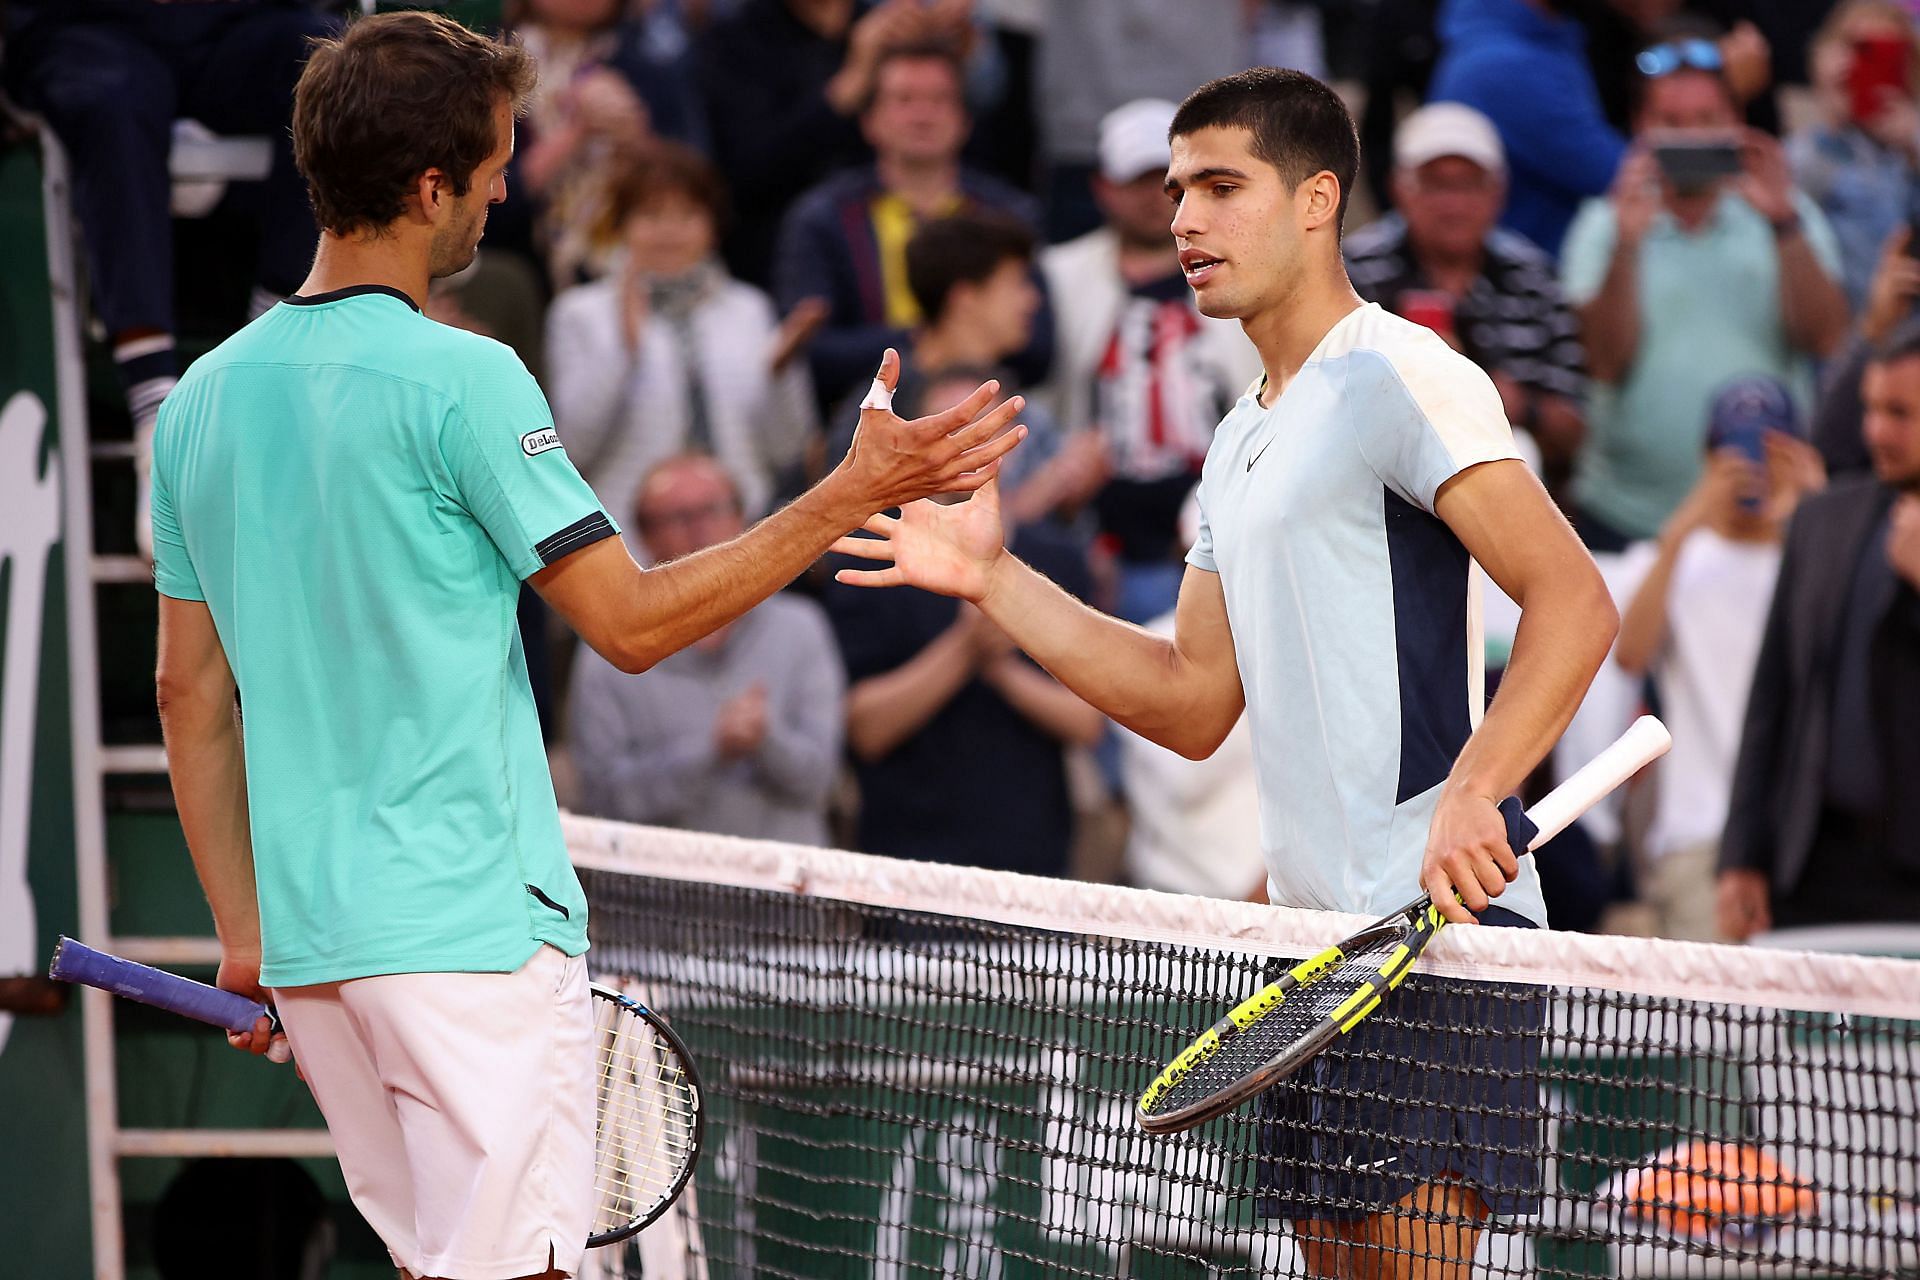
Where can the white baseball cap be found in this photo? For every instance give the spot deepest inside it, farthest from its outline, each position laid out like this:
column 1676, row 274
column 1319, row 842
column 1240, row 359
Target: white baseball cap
column 1133, row 139
column 1448, row 129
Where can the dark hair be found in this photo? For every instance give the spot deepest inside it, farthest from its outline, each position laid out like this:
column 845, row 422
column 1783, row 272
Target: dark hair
column 1902, row 344
column 393, row 96
column 965, row 248
column 919, row 51
column 665, row 166
column 1299, row 125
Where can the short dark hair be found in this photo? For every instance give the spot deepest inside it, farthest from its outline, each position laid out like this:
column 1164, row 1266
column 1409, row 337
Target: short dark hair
column 394, row 95
column 666, row 166
column 964, row 248
column 1299, row 125
column 1902, row 344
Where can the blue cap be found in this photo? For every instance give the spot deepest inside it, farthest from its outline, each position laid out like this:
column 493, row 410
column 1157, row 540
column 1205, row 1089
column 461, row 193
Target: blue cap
column 1747, row 407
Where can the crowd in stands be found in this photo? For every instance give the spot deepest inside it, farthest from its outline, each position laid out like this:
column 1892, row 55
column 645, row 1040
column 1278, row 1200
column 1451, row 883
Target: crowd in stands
column 1679, row 235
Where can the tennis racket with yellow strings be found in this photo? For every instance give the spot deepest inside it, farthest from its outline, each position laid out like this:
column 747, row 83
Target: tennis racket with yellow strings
column 1280, row 1028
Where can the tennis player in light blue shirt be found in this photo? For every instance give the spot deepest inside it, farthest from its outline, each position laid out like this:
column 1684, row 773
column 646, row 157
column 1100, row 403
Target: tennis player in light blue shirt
column 1347, row 500
column 348, row 497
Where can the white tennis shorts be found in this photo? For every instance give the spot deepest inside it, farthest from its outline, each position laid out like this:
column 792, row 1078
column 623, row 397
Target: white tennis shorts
column 462, row 1109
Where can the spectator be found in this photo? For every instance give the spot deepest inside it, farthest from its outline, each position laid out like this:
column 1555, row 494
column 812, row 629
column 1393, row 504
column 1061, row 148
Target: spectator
column 1134, row 360
column 1890, row 300
column 1520, row 63
column 1684, row 280
column 111, row 76
column 737, row 733
column 971, row 276
column 846, row 240
column 1441, row 260
column 1824, row 822
column 1617, row 31
column 942, row 711
column 1096, row 57
column 1861, row 161
column 1694, row 623
column 648, row 49
column 585, row 119
column 1195, row 823
column 786, row 81
column 672, row 354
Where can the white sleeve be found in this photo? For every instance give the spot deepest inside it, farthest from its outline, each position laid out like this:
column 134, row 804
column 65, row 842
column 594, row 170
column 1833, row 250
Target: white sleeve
column 1424, row 417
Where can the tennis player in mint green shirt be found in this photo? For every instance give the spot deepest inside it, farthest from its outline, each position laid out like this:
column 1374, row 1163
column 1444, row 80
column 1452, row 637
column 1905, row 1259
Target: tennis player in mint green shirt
column 347, row 498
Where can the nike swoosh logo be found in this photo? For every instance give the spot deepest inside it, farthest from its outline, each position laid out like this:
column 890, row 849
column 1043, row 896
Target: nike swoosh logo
column 1377, row 1164
column 1256, row 457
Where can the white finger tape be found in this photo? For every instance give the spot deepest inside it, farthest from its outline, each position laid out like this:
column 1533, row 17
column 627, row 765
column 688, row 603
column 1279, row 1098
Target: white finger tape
column 878, row 397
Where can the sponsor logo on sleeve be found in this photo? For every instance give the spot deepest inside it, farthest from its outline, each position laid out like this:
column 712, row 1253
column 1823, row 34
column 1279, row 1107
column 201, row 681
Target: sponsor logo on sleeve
column 537, row 442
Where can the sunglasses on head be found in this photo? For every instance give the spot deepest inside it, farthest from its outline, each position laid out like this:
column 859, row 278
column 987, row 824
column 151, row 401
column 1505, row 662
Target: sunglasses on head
column 1679, row 55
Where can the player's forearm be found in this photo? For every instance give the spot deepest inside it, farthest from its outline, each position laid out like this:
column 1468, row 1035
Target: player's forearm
column 1128, row 673
column 883, row 711
column 672, row 605
column 1566, row 628
column 207, row 762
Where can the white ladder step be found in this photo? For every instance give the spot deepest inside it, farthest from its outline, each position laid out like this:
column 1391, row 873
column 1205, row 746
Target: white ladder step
column 223, row 1142
column 121, row 569
column 139, row 758
column 165, row 953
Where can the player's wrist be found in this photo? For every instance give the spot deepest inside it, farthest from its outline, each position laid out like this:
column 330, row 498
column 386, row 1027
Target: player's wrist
column 1470, row 789
column 994, row 582
column 844, row 498
column 239, row 939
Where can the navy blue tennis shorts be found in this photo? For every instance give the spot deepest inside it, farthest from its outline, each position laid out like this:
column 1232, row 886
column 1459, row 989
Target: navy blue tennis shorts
column 1443, row 1080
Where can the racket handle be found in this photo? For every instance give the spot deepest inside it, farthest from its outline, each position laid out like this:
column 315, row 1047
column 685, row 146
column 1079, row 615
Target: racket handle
column 1645, row 741
column 77, row 962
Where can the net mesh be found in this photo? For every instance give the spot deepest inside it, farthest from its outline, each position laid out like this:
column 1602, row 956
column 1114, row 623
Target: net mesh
column 926, row 1071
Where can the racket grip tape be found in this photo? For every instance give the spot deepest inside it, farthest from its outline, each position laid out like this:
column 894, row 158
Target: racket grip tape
column 1520, row 828
column 77, row 962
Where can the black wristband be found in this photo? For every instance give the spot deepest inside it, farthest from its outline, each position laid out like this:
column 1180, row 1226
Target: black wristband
column 1787, row 226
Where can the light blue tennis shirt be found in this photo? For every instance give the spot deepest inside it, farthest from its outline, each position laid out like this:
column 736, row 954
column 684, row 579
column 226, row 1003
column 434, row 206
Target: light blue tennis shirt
column 356, row 492
column 1355, row 611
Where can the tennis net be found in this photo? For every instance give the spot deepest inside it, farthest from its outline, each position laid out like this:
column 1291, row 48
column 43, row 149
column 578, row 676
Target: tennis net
column 917, row 1070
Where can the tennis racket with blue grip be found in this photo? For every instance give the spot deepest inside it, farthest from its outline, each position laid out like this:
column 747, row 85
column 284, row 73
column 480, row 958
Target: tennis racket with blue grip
column 649, row 1104
column 77, row 962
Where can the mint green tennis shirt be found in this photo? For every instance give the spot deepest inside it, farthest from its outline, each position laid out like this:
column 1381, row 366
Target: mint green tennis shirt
column 356, row 492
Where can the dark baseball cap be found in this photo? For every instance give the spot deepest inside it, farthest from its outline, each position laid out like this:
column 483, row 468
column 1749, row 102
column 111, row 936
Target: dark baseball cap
column 1750, row 406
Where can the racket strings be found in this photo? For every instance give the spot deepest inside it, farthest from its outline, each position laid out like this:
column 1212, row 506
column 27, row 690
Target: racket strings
column 648, row 1114
column 1305, row 1010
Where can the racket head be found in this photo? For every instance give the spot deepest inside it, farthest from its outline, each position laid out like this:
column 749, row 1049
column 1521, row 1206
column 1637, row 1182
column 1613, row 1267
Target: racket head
column 649, row 1118
column 1270, row 1036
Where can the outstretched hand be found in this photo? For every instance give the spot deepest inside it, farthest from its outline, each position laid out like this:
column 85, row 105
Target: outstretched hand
column 894, row 462
column 950, row 549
